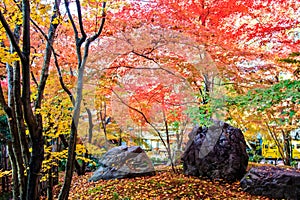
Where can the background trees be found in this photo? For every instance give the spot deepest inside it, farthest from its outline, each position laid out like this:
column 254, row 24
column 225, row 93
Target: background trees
column 20, row 21
column 20, row 108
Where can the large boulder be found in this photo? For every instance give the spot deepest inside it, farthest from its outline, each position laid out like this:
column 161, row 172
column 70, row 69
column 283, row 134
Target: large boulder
column 123, row 162
column 273, row 182
column 217, row 152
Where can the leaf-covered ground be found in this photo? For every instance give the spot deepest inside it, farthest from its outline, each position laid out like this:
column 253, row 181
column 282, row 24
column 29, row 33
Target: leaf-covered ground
column 164, row 185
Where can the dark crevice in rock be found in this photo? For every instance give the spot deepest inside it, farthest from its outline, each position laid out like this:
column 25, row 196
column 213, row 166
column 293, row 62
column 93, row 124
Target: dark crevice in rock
column 217, row 152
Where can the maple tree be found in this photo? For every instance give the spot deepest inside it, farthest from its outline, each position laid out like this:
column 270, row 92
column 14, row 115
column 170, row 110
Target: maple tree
column 156, row 102
column 211, row 26
column 140, row 52
column 231, row 31
column 208, row 22
column 57, row 115
column 136, row 57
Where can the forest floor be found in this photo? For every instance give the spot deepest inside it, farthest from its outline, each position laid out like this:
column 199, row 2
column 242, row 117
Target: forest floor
column 164, row 185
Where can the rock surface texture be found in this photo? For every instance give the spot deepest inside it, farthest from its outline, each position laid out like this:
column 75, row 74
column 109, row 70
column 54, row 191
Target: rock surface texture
column 272, row 182
column 217, row 152
column 123, row 162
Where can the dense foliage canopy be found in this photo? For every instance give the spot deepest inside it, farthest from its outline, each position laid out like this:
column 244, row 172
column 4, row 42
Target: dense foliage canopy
column 77, row 76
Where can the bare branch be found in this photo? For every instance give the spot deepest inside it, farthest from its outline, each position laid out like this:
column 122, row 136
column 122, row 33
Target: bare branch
column 83, row 34
column 78, row 40
column 143, row 115
column 102, row 23
column 164, row 69
column 34, row 79
column 71, row 19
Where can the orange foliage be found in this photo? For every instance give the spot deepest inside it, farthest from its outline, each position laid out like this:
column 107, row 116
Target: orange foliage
column 164, row 185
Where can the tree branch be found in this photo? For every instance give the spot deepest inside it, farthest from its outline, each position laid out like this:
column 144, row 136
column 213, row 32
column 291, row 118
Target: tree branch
column 11, row 37
column 143, row 115
column 61, row 81
column 83, row 34
column 47, row 54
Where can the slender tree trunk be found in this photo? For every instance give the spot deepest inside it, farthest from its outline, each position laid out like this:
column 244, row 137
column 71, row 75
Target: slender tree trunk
column 50, row 185
column 3, row 166
column 91, row 125
column 64, row 192
column 12, row 115
column 168, row 143
column 287, row 148
column 79, row 169
column 16, row 145
column 15, row 181
column 103, row 122
column 19, row 114
column 55, row 168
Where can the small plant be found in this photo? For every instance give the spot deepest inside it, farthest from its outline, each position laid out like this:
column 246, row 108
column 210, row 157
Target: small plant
column 294, row 163
column 95, row 190
column 115, row 196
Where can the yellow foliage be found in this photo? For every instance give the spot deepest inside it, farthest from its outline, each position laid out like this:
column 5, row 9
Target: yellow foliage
column 56, row 110
column 7, row 57
column 5, row 173
column 52, row 158
column 95, row 150
column 80, row 149
column 56, row 20
column 83, row 159
column 2, row 112
column 41, row 11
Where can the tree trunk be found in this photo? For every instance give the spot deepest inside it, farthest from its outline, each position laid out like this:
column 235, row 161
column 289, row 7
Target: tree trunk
column 168, row 143
column 102, row 116
column 13, row 122
column 16, row 145
column 35, row 165
column 79, row 169
column 3, row 166
column 19, row 114
column 15, row 182
column 91, row 125
column 34, row 121
column 50, row 185
column 287, row 149
column 64, row 193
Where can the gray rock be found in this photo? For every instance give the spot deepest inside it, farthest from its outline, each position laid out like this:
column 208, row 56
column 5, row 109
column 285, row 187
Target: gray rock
column 217, row 152
column 272, row 182
column 123, row 162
